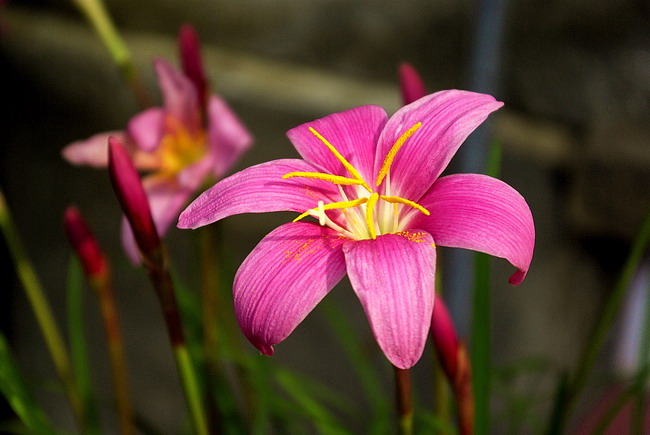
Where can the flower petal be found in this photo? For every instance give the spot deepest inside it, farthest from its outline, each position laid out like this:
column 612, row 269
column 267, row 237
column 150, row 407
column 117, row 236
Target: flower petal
column 259, row 189
column 447, row 118
column 284, row 278
column 179, row 94
column 92, row 151
column 394, row 278
column 227, row 135
column 353, row 133
column 481, row 213
column 146, row 128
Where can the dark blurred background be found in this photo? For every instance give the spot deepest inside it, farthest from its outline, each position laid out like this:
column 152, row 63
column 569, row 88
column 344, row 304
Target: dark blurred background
column 574, row 76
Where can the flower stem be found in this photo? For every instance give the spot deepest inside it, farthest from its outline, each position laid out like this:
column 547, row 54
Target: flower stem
column 44, row 316
column 116, row 353
column 158, row 270
column 96, row 14
column 209, row 305
column 404, row 400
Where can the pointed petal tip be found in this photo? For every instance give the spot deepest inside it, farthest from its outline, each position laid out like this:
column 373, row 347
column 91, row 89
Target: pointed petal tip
column 266, row 350
column 517, row 277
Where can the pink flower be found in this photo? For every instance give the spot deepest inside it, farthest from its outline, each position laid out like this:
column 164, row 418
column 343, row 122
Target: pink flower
column 372, row 185
column 194, row 135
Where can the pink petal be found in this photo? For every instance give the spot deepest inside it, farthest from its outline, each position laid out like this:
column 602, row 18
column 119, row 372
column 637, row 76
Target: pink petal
column 393, row 276
column 166, row 200
column 92, row 151
column 259, row 189
column 228, row 137
column 146, row 128
column 411, row 84
column 481, row 213
column 447, row 118
column 353, row 133
column 181, row 102
column 284, row 278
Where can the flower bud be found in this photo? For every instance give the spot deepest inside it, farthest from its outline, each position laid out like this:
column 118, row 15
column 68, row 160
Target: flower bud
column 84, row 243
column 190, row 53
column 130, row 193
column 411, row 84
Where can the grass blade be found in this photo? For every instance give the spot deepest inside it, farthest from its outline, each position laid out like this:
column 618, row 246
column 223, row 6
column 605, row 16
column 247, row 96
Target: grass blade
column 15, row 390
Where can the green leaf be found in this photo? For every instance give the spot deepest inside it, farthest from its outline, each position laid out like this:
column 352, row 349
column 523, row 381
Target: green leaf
column 296, row 388
column 15, row 390
column 78, row 348
column 480, row 333
column 366, row 373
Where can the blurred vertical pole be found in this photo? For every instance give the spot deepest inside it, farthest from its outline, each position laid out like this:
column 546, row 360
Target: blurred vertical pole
column 484, row 72
column 468, row 275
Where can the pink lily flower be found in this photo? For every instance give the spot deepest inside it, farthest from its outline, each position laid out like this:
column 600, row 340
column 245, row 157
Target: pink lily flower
column 192, row 137
column 372, row 183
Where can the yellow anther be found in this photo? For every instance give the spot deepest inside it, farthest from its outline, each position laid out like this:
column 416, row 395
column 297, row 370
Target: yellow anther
column 400, row 200
column 388, row 161
column 332, row 206
column 351, row 169
column 370, row 210
column 336, row 179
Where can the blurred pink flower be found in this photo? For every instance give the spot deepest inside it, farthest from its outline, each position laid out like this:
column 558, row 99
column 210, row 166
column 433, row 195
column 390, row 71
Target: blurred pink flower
column 372, row 183
column 194, row 135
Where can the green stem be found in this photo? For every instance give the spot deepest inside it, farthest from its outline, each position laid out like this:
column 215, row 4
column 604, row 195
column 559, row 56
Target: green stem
column 158, row 270
column 108, row 309
column 404, row 400
column 480, row 345
column 191, row 388
column 42, row 311
column 95, row 12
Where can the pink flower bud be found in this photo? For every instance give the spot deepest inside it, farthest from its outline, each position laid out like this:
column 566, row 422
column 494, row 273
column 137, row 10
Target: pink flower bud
column 455, row 362
column 444, row 338
column 190, row 53
column 411, row 84
column 84, row 243
column 130, row 193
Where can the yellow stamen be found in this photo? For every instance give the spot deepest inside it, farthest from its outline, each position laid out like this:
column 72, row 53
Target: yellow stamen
column 332, row 206
column 400, row 200
column 351, row 169
column 336, row 179
column 370, row 210
column 388, row 161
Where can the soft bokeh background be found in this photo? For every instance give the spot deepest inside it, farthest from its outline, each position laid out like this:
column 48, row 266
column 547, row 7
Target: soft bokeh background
column 575, row 77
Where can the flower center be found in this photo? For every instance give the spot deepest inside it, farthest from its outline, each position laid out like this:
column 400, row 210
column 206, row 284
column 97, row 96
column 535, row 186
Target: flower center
column 179, row 147
column 366, row 212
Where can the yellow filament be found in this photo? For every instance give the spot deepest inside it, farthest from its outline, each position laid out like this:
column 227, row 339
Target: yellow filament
column 400, row 200
column 351, row 169
column 388, row 161
column 332, row 206
column 336, row 179
column 370, row 210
